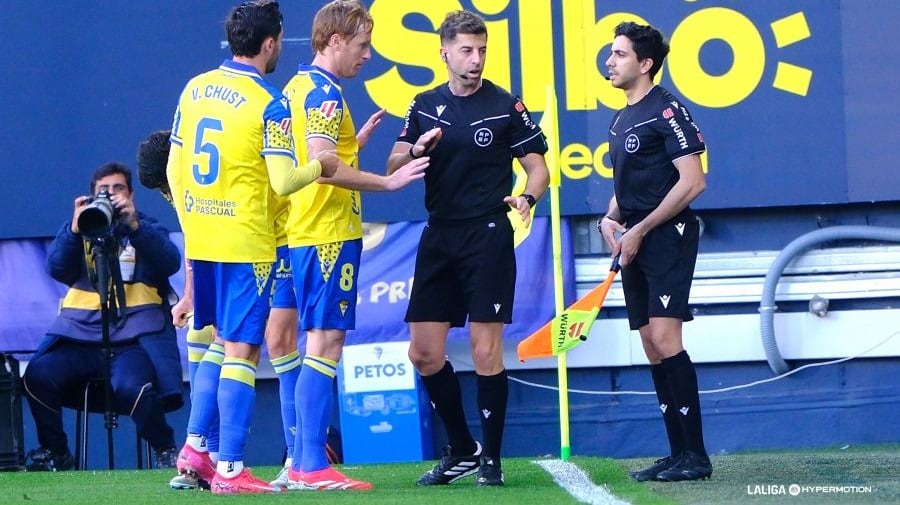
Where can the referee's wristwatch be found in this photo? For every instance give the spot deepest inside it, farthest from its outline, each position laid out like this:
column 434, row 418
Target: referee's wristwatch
column 530, row 199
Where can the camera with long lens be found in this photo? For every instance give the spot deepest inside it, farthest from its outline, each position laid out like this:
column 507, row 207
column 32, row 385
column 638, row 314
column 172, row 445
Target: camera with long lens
column 99, row 217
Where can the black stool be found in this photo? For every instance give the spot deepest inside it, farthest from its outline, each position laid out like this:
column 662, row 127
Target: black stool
column 94, row 402
column 12, row 435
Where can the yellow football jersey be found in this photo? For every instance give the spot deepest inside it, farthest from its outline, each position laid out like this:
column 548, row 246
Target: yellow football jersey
column 227, row 120
column 322, row 213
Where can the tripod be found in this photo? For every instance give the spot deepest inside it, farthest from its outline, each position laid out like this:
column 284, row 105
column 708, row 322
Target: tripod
column 107, row 278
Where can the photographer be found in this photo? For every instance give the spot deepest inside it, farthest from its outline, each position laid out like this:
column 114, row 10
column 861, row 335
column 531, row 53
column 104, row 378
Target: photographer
column 145, row 369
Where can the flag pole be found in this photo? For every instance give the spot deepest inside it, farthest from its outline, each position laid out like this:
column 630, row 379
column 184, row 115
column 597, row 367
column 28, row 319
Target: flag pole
column 550, row 126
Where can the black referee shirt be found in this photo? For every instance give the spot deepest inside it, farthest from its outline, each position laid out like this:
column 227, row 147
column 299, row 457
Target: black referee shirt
column 644, row 139
column 471, row 167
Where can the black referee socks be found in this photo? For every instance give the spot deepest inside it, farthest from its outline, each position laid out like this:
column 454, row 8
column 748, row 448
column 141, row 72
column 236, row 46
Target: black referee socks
column 669, row 411
column 493, row 393
column 446, row 396
column 682, row 378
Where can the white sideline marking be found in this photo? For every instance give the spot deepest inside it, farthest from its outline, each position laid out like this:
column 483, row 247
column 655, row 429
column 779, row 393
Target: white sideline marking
column 577, row 483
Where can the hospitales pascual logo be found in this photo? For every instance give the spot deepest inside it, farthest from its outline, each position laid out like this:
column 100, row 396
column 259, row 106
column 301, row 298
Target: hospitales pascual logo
column 377, row 367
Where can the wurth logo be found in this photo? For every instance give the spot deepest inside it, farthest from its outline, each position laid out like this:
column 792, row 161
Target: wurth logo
column 679, row 134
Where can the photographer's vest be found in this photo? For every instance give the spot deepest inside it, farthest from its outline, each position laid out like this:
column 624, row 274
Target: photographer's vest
column 145, row 310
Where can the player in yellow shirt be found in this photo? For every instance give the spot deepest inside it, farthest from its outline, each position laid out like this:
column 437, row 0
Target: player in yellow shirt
column 231, row 147
column 325, row 227
column 281, row 327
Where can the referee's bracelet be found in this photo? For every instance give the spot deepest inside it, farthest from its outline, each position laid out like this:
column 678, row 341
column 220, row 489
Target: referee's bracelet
column 532, row 201
column 412, row 155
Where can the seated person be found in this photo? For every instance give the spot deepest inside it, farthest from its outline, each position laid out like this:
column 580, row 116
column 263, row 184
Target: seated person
column 145, row 368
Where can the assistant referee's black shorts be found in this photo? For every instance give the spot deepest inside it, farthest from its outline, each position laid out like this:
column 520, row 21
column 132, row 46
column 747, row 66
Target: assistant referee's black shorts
column 657, row 282
column 464, row 269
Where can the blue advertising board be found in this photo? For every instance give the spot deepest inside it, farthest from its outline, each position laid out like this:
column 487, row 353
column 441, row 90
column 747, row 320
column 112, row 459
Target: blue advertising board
column 384, row 409
column 30, row 298
column 789, row 95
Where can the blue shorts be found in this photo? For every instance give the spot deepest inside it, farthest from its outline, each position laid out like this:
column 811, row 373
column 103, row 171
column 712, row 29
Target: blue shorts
column 234, row 297
column 283, row 297
column 325, row 284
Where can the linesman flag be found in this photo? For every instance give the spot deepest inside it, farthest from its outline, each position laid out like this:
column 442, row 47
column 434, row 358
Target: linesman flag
column 572, row 326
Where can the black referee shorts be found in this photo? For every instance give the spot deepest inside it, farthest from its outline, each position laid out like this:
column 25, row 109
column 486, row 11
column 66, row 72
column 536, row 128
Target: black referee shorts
column 658, row 281
column 464, row 269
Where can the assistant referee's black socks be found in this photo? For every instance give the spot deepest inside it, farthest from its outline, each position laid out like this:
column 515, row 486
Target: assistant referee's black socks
column 446, row 396
column 493, row 395
column 669, row 410
column 682, row 379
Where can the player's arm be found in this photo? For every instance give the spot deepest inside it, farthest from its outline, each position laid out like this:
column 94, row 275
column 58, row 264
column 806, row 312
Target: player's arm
column 286, row 177
column 348, row 177
column 184, row 308
column 365, row 133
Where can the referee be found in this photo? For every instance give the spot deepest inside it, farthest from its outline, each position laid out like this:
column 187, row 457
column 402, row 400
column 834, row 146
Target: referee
column 465, row 265
column 655, row 149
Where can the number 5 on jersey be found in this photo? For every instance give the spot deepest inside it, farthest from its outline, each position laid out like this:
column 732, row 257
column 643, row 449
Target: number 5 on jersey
column 206, row 153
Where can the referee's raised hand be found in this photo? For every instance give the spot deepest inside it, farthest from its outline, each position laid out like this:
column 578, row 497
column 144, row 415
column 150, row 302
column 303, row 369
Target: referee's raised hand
column 426, row 143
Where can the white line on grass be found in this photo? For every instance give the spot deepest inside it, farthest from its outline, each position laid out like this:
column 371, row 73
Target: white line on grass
column 577, row 483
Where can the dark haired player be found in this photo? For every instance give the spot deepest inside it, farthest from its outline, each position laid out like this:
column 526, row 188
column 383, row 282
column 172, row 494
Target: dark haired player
column 152, row 156
column 466, row 264
column 655, row 149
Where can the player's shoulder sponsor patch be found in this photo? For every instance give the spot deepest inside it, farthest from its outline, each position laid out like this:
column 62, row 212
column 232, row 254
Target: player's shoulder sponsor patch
column 328, row 107
column 520, row 107
column 286, row 126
